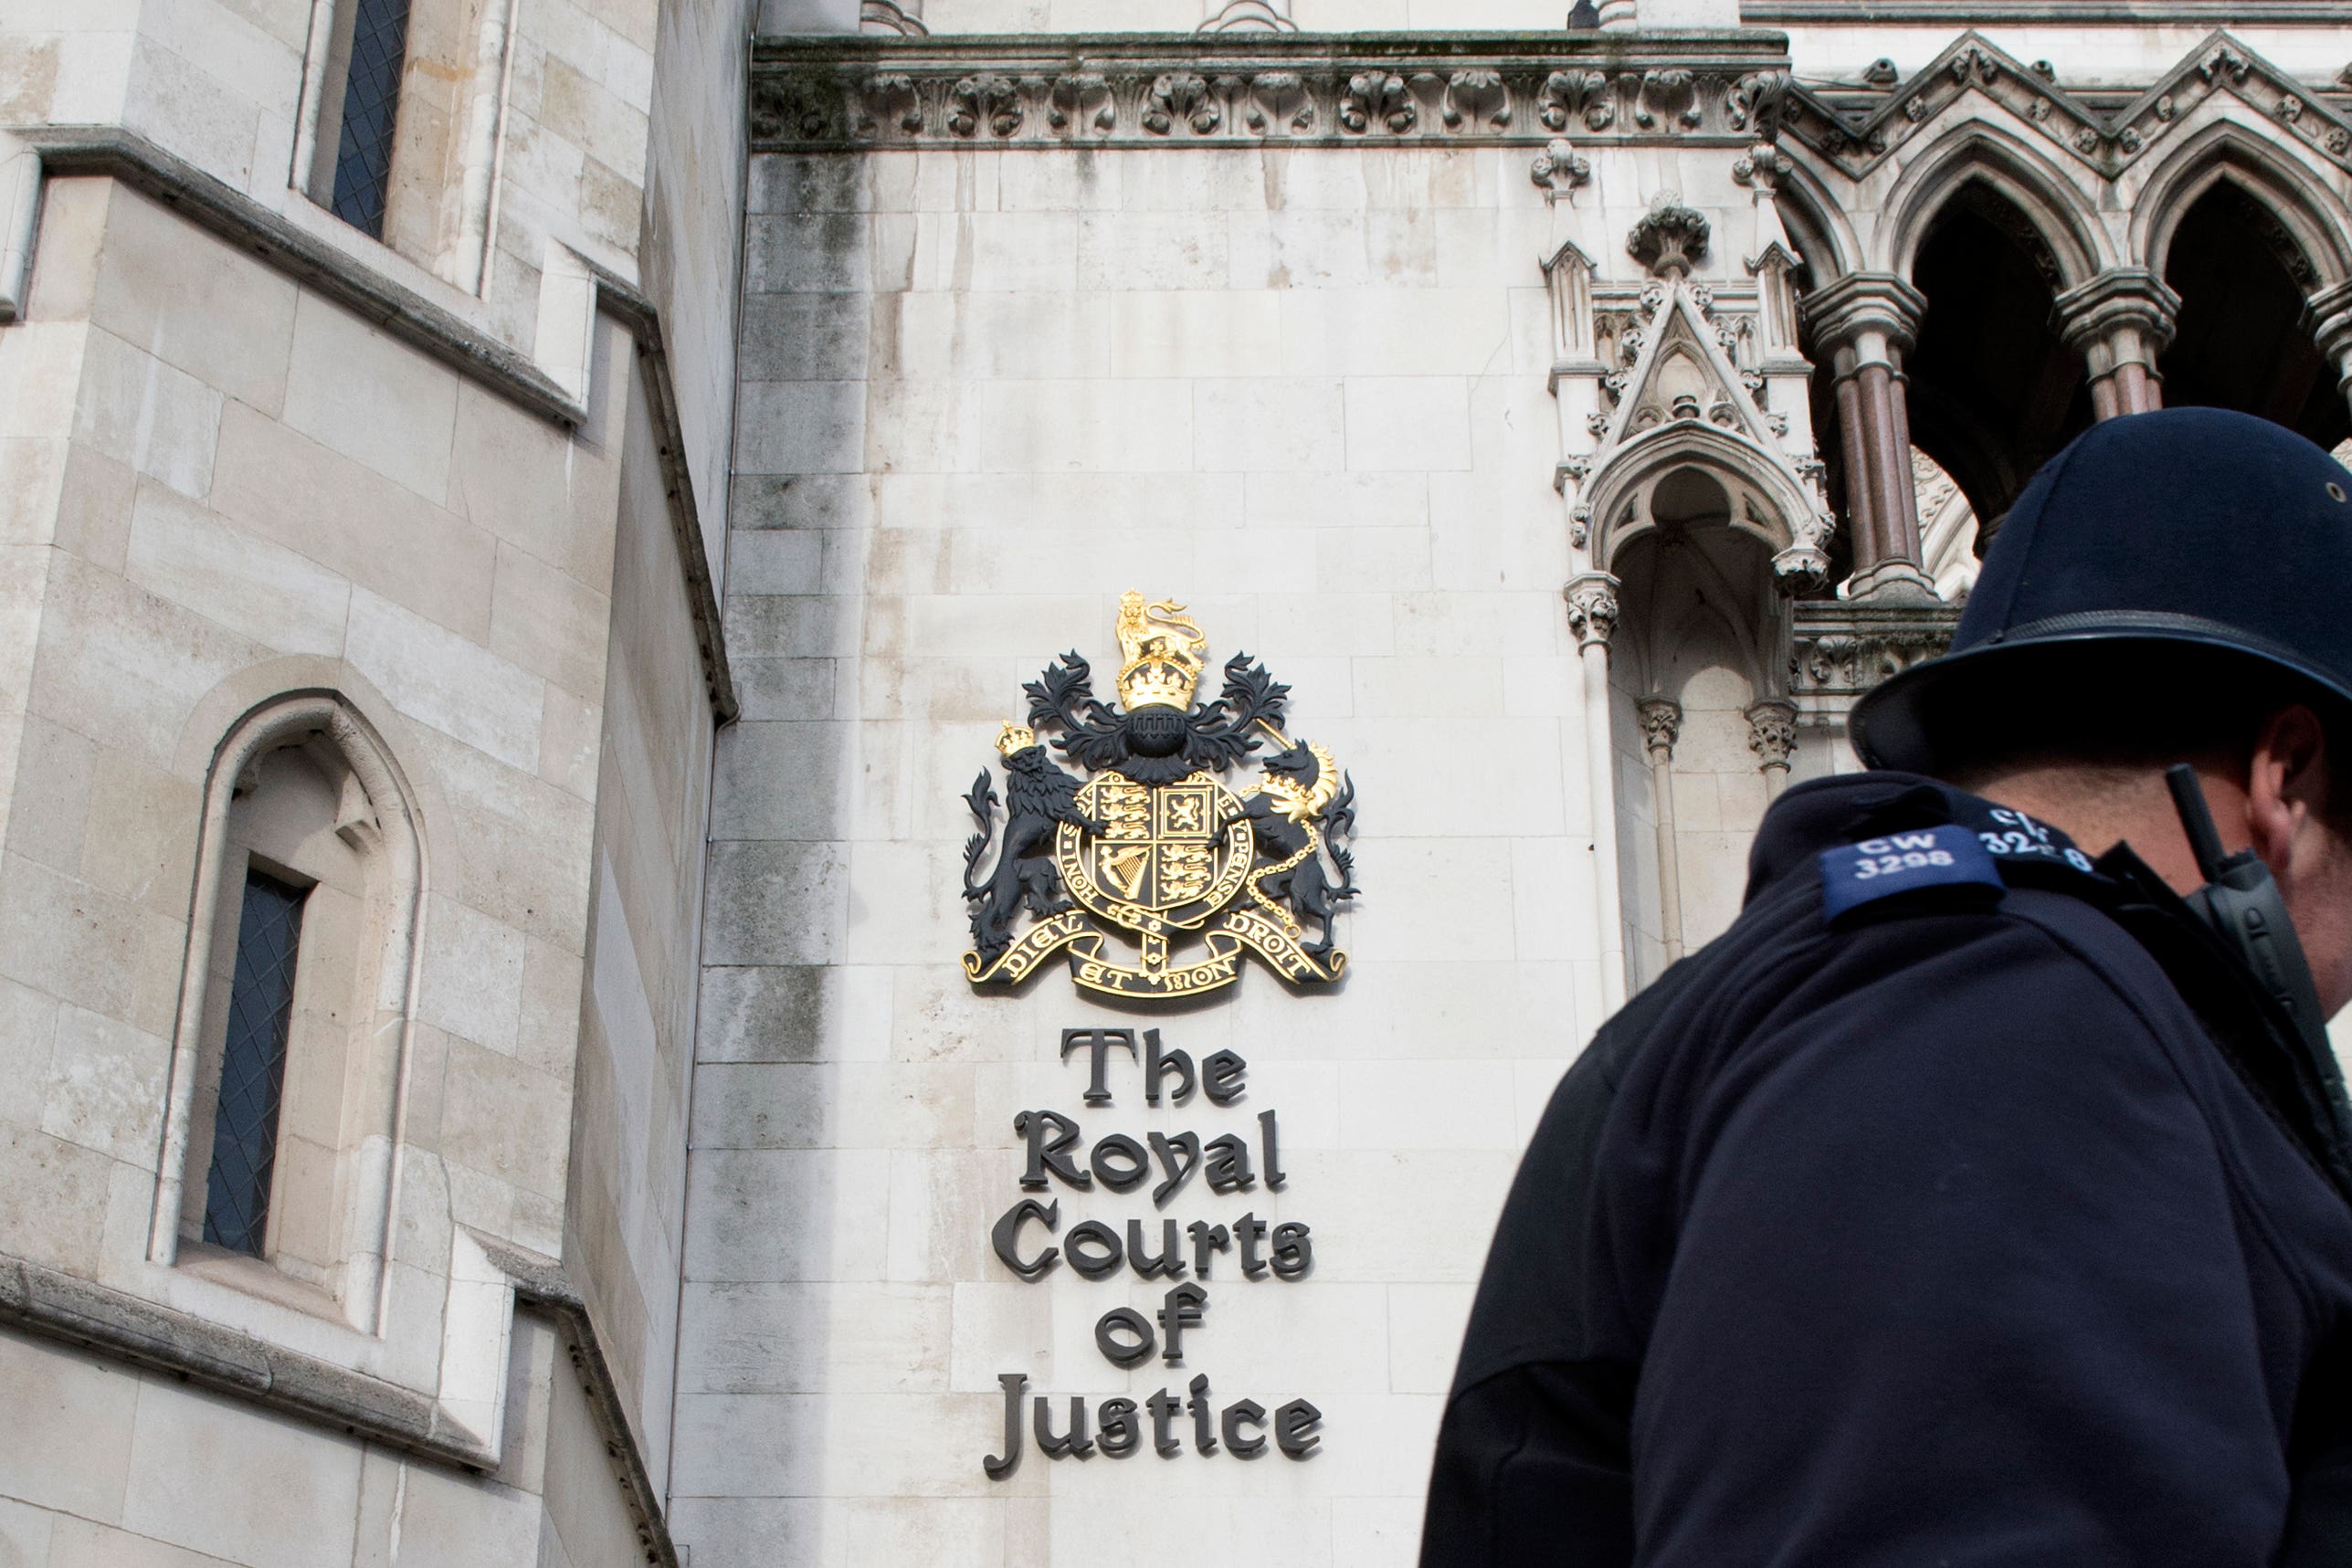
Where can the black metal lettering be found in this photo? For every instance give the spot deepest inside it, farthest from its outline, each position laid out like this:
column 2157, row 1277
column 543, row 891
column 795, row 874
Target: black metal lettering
column 1249, row 1231
column 1184, row 1307
column 1119, row 1352
column 1220, row 1077
column 1005, row 1234
column 1054, row 1155
column 1015, row 1386
column 1204, row 1419
column 1098, row 1044
column 1294, row 1428
column 1207, row 1238
column 1270, row 1142
column 1090, row 1264
column 1164, row 1407
column 1239, row 1411
column 1158, row 1067
column 1168, row 1264
column 1120, row 1162
column 1166, row 1148
column 1226, row 1164
column 1117, row 1433
column 1293, row 1250
column 1076, row 1445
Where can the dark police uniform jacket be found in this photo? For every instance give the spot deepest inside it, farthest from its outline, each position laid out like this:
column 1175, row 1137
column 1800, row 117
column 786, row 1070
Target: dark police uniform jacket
column 1969, row 1219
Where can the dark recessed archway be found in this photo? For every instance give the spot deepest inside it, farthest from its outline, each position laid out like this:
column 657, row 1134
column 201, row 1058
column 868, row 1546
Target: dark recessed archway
column 1994, row 392
column 2241, row 341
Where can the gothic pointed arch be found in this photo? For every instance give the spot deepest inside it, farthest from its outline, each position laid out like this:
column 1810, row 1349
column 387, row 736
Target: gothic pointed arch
column 1978, row 157
column 2293, row 199
column 282, row 1114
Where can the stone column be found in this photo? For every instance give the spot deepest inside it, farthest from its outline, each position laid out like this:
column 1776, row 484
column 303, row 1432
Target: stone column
column 2331, row 316
column 2119, row 322
column 1865, row 322
column 1772, row 736
column 1661, row 726
column 1592, row 615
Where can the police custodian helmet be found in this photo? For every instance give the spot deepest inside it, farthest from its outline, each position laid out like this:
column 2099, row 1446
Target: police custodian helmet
column 2180, row 528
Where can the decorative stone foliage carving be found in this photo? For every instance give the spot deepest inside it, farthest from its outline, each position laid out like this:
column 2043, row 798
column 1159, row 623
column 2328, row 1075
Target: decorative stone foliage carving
column 2109, row 141
column 1671, row 96
column 1252, row 83
column 985, row 100
column 1375, row 97
column 1839, row 649
column 1559, row 169
column 1592, row 608
column 1180, row 95
column 1571, row 94
column 1661, row 726
column 1772, row 732
column 1670, row 238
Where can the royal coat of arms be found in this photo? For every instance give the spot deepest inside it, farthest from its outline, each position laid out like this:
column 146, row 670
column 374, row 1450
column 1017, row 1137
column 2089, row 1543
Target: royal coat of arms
column 1153, row 846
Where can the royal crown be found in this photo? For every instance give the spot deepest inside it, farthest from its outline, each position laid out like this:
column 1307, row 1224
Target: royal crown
column 1015, row 738
column 1161, row 649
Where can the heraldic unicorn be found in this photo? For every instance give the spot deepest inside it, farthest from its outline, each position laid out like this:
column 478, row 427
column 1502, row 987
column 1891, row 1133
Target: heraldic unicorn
column 1152, row 844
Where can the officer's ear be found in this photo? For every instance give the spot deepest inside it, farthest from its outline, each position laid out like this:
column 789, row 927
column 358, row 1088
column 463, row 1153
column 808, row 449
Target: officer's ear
column 2288, row 790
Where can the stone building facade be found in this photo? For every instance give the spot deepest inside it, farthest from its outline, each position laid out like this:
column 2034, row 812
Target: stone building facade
column 573, row 526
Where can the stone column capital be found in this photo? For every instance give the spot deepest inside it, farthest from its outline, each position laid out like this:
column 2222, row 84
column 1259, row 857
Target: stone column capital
column 1592, row 607
column 2121, row 297
column 1849, row 312
column 2330, row 314
column 1661, row 726
column 1772, row 732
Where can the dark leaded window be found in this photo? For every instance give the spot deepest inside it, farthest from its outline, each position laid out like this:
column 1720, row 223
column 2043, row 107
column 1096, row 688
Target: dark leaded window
column 379, row 42
column 253, row 1064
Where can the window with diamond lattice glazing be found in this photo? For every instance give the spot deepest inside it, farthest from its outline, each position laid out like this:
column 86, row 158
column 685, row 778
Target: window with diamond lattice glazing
column 253, row 1064
column 379, row 49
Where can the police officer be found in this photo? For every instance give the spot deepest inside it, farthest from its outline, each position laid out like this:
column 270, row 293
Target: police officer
column 1980, row 1198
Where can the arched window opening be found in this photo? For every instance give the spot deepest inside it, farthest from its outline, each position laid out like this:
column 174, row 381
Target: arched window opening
column 1993, row 394
column 2241, row 341
column 294, row 1015
column 1690, row 688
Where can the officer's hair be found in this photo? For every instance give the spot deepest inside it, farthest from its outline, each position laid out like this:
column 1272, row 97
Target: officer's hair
column 2128, row 708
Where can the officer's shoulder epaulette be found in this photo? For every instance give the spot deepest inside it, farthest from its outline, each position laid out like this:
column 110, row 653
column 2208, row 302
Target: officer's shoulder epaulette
column 1948, row 856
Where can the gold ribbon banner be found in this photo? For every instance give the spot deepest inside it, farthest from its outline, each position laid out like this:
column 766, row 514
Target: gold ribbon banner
column 1273, row 942
column 1235, row 931
column 1038, row 943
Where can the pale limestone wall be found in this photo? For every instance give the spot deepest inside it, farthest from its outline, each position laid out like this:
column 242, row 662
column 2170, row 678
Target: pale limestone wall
column 220, row 487
column 111, row 1467
column 1303, row 392
column 623, row 1236
column 692, row 251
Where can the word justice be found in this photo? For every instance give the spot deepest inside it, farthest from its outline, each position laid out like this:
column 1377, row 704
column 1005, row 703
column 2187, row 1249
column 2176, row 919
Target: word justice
column 1242, row 1428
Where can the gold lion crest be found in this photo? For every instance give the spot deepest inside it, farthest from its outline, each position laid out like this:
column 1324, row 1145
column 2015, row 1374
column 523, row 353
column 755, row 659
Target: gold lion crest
column 1152, row 846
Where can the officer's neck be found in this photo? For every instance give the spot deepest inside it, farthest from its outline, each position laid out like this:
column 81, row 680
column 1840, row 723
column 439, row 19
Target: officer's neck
column 2276, row 801
column 2100, row 807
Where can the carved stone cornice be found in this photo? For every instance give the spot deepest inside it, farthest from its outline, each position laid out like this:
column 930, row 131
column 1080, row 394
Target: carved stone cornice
column 1856, row 136
column 1122, row 90
column 1839, row 649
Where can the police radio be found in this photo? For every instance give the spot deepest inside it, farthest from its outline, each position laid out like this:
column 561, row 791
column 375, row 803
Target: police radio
column 2240, row 904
